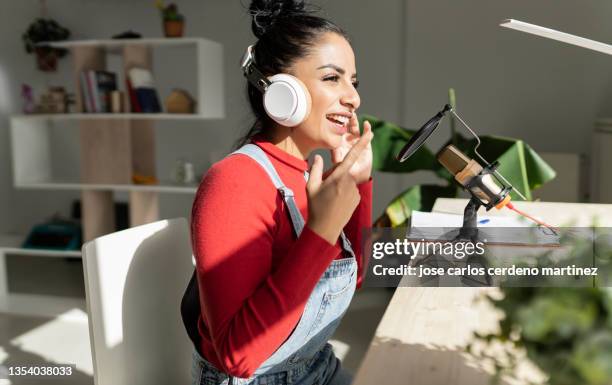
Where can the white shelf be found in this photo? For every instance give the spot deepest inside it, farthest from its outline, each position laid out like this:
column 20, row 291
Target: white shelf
column 132, row 116
column 41, row 252
column 118, row 43
column 164, row 187
column 208, row 80
column 11, row 244
column 33, row 159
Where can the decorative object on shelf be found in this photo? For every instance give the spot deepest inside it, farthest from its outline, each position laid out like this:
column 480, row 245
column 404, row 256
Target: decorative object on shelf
column 127, row 35
column 180, row 102
column 29, row 106
column 144, row 179
column 56, row 234
column 116, row 98
column 174, row 22
column 54, row 101
column 141, row 88
column 43, row 30
column 184, row 172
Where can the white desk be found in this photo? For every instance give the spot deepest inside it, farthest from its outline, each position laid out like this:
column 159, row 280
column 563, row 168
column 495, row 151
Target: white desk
column 421, row 337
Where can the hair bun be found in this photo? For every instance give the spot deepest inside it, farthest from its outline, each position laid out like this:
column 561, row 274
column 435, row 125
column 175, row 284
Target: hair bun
column 266, row 13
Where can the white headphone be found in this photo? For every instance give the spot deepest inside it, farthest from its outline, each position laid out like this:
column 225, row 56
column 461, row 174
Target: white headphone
column 285, row 98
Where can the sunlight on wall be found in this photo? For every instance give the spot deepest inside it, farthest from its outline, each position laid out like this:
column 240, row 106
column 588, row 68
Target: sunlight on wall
column 3, row 355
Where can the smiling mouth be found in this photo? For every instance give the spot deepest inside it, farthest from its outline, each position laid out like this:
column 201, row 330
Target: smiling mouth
column 339, row 120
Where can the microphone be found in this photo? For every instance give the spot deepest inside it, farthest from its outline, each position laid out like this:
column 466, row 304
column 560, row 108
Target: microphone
column 474, row 178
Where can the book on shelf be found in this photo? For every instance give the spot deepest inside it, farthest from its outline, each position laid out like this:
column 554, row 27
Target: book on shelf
column 96, row 87
column 135, row 107
column 106, row 82
column 86, row 93
column 141, row 89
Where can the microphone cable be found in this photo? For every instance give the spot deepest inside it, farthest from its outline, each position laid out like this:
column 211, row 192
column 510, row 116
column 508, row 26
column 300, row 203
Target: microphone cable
column 539, row 222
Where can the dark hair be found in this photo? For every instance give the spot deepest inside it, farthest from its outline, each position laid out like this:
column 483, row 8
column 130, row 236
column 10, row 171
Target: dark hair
column 286, row 30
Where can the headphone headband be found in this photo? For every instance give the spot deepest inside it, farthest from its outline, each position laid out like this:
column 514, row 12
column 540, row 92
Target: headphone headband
column 252, row 73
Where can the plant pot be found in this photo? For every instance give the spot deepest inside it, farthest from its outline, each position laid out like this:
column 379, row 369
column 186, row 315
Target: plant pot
column 173, row 28
column 46, row 59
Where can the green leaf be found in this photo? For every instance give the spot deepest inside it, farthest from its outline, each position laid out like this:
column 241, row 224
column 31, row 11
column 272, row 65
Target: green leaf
column 559, row 313
column 387, row 143
column 593, row 358
column 420, row 198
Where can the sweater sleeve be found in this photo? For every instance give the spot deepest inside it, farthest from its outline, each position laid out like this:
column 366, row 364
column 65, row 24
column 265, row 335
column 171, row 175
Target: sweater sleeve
column 249, row 309
column 360, row 220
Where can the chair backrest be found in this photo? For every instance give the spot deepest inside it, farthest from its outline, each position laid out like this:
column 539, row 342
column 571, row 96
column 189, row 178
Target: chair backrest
column 134, row 282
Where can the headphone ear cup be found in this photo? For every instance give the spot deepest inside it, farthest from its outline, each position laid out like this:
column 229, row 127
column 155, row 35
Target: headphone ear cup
column 287, row 100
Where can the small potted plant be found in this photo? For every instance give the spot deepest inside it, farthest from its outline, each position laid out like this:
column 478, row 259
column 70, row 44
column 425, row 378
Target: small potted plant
column 45, row 30
column 174, row 22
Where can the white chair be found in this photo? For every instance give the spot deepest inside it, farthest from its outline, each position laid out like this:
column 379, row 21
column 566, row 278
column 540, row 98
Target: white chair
column 134, row 281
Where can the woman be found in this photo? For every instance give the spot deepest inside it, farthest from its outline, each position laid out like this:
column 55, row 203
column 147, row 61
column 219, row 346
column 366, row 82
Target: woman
column 273, row 284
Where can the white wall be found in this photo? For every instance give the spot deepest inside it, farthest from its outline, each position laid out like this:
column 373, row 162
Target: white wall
column 408, row 53
column 507, row 82
column 19, row 209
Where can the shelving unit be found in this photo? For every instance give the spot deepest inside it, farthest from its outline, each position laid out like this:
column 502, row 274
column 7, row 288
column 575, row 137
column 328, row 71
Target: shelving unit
column 123, row 143
column 113, row 147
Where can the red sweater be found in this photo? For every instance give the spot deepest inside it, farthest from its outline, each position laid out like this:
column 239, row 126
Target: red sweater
column 254, row 276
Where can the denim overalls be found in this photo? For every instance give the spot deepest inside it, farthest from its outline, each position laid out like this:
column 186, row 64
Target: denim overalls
column 305, row 358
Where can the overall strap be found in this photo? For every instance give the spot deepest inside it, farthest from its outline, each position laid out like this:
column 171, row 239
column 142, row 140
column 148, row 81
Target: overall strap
column 256, row 153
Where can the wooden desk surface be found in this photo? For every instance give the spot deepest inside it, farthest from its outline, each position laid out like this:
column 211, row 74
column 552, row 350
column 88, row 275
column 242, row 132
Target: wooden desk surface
column 421, row 337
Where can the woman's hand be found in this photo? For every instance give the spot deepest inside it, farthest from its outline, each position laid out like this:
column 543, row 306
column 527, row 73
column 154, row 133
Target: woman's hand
column 332, row 200
column 362, row 168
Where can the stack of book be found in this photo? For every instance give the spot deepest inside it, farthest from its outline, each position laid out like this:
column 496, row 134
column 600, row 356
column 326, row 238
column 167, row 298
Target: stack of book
column 96, row 87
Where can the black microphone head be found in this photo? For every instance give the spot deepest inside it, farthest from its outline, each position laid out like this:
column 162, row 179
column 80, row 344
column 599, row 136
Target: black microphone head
column 417, row 140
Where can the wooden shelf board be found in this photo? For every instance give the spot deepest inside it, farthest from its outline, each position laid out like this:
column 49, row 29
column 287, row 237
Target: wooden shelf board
column 130, row 116
column 164, row 187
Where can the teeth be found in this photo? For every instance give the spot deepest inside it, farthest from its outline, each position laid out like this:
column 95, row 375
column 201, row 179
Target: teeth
column 339, row 118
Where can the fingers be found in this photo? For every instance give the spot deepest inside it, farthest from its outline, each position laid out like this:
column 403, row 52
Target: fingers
column 367, row 127
column 316, row 174
column 354, row 125
column 355, row 151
